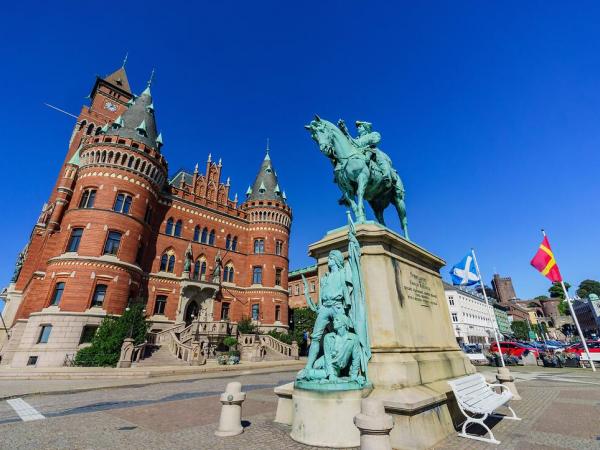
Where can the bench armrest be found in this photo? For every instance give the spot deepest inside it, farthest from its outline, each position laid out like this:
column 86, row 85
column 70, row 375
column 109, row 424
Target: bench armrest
column 493, row 385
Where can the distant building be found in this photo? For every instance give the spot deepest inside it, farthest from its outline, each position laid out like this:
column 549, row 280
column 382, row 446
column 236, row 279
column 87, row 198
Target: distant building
column 470, row 316
column 588, row 314
column 505, row 291
column 503, row 321
column 296, row 286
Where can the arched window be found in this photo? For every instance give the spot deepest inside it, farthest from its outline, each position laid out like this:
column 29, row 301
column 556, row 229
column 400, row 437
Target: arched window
column 228, row 273
column 163, row 262
column 234, row 244
column 196, row 274
column 197, row 233
column 90, row 129
column 178, row 229
column 211, row 238
column 82, row 125
column 169, row 227
column 204, row 238
column 167, row 261
column 228, row 242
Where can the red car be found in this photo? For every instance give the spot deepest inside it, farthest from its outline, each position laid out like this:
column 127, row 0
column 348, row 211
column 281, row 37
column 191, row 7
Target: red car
column 514, row 349
column 593, row 347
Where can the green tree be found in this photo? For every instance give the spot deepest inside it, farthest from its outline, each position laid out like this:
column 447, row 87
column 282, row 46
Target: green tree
column 106, row 344
column 520, row 329
column 587, row 287
column 556, row 290
column 303, row 319
column 563, row 308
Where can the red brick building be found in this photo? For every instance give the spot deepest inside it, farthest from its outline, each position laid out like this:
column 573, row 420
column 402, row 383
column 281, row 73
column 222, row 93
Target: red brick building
column 296, row 286
column 117, row 230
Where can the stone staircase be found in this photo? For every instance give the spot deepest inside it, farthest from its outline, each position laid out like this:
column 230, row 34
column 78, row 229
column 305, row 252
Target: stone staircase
column 159, row 356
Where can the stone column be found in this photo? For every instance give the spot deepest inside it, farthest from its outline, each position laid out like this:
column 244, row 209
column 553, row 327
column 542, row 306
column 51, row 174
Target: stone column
column 230, row 422
column 198, row 356
column 505, row 377
column 374, row 425
column 295, row 350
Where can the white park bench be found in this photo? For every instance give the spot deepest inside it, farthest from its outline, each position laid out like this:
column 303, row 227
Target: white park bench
column 476, row 397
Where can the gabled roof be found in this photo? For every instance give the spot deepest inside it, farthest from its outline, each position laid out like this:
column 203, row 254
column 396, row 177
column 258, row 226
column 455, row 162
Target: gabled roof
column 119, row 78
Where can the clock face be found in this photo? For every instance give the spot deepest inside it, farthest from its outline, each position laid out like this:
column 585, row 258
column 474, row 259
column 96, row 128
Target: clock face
column 110, row 106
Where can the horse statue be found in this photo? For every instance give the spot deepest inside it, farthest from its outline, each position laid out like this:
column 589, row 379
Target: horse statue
column 360, row 169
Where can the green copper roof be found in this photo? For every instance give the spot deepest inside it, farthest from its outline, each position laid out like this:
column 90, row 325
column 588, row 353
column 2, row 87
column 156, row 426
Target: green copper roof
column 248, row 191
column 119, row 122
column 159, row 140
column 142, row 127
column 75, row 158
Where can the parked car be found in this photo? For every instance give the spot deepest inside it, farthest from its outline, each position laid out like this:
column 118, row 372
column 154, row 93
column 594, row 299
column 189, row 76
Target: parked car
column 593, row 347
column 515, row 349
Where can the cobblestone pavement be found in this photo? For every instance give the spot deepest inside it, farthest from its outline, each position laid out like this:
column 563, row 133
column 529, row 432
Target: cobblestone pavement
column 560, row 409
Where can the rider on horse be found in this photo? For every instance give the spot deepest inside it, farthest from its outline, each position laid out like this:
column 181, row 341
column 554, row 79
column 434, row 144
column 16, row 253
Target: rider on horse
column 367, row 142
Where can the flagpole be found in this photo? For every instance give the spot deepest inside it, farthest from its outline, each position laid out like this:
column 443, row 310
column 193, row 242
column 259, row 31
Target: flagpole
column 581, row 336
column 489, row 306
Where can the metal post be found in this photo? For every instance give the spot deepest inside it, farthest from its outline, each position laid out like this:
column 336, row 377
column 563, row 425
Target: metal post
column 490, row 311
column 581, row 336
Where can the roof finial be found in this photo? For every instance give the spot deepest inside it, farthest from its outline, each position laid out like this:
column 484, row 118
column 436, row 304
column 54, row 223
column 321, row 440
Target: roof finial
column 196, row 168
column 125, row 60
column 268, row 146
column 151, row 78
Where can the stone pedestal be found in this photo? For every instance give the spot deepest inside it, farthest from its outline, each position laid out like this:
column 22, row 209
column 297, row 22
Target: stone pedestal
column 326, row 418
column 414, row 351
column 230, row 421
column 505, row 377
column 285, row 405
column 126, row 354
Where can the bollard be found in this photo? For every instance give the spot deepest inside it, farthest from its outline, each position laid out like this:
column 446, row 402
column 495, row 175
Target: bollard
column 374, row 425
column 230, row 422
column 504, row 377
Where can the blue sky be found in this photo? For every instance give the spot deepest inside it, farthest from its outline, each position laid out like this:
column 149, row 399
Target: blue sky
column 490, row 112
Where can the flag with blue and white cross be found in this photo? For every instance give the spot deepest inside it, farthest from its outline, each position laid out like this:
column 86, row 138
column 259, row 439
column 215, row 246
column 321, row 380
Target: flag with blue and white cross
column 464, row 273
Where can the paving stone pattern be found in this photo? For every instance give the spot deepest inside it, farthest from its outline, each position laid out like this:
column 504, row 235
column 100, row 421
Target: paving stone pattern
column 184, row 415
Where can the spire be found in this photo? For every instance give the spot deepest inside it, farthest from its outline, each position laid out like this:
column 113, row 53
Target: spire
column 209, row 157
column 228, row 183
column 248, row 191
column 119, row 78
column 147, row 90
column 196, row 168
column 125, row 60
column 265, row 186
column 283, row 196
column 139, row 122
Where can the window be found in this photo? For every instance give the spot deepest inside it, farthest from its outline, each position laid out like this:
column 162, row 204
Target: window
column 177, row 229
column 297, row 289
column 277, row 313
column 278, row 247
column 454, row 317
column 312, row 286
column 44, row 334
column 451, row 300
column 111, row 247
column 203, row 270
column 169, row 226
column 196, row 273
column 257, row 275
column 32, row 360
column 211, row 237
column 255, row 311
column 57, row 294
column 234, row 244
column 228, row 242
column 197, row 233
column 228, row 273
column 159, row 304
column 259, row 246
column 87, row 198
column 122, row 203
column 88, row 333
column 75, row 239
column 167, row 261
column 278, row 277
column 225, row 311
column 99, row 294
column 204, row 238
column 148, row 214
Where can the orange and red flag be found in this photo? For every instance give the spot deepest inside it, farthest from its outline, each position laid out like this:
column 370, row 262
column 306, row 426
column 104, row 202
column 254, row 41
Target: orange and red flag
column 544, row 262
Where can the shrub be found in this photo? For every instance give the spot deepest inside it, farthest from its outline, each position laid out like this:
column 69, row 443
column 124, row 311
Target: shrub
column 303, row 319
column 230, row 341
column 245, row 326
column 281, row 336
column 106, row 344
